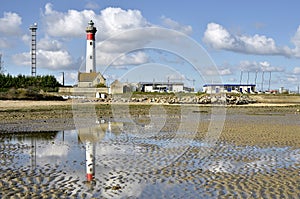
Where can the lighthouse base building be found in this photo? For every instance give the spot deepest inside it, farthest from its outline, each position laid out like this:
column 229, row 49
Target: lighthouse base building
column 91, row 80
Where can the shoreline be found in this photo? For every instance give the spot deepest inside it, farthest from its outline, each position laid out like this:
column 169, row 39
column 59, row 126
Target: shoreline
column 33, row 104
column 252, row 124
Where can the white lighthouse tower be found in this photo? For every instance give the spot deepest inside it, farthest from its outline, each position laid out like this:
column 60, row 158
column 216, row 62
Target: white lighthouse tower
column 89, row 78
column 90, row 48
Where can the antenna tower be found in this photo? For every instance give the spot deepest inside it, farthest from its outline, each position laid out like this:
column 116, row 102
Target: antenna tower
column 33, row 29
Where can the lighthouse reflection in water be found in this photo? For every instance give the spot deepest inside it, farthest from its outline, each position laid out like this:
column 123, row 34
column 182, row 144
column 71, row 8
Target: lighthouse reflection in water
column 92, row 137
column 90, row 160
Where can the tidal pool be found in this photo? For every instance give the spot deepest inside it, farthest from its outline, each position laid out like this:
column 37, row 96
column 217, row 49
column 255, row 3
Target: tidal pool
column 110, row 162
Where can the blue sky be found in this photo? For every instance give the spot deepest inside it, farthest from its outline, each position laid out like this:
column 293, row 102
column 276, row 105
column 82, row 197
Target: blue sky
column 256, row 37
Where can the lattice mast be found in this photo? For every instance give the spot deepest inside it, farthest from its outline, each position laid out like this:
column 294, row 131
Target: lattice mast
column 33, row 29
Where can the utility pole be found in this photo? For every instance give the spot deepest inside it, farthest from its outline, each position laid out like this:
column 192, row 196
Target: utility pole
column 262, row 81
column 241, row 78
column 248, row 78
column 63, row 78
column 255, row 77
column 270, row 80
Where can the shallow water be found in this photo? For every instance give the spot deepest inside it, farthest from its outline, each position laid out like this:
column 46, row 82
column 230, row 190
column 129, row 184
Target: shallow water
column 127, row 164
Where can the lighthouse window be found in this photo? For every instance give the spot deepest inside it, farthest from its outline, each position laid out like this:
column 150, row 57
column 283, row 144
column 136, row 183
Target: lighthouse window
column 91, row 43
column 91, row 57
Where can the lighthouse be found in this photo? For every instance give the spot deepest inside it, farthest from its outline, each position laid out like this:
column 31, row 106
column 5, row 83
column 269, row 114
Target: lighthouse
column 89, row 78
column 90, row 48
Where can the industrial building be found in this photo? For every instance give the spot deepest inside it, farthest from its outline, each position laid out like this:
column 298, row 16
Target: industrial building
column 175, row 87
column 117, row 87
column 229, row 88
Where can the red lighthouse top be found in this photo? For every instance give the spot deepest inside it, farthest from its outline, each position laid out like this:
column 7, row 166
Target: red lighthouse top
column 90, row 31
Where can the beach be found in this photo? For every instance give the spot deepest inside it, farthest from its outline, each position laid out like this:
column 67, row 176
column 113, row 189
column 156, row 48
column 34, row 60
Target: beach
column 255, row 155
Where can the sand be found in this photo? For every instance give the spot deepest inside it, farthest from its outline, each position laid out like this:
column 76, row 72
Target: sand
column 257, row 155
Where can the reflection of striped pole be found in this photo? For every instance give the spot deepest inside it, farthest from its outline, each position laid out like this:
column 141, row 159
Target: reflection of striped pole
column 241, row 77
column 270, row 80
column 255, row 77
column 90, row 160
column 248, row 78
column 262, row 81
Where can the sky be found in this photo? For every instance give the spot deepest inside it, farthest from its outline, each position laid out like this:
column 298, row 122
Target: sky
column 244, row 41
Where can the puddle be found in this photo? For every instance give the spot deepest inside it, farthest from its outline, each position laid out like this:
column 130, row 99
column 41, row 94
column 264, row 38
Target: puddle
column 120, row 163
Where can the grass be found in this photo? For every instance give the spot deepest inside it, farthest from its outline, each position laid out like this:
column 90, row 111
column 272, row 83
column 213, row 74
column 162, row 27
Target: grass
column 26, row 94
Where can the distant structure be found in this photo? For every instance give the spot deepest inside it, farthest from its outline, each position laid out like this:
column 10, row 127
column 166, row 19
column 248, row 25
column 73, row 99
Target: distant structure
column 229, row 88
column 90, row 78
column 1, row 64
column 33, row 29
column 117, row 87
column 175, row 87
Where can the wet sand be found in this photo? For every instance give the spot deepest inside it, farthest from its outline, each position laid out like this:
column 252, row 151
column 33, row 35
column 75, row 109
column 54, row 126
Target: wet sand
column 257, row 155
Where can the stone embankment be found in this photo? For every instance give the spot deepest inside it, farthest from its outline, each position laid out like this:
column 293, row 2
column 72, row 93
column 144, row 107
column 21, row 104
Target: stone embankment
column 203, row 99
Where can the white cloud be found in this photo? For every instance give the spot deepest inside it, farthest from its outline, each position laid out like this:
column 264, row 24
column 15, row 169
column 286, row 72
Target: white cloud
column 169, row 23
column 111, row 59
column 292, row 79
column 296, row 41
column 10, row 24
column 217, row 37
column 47, row 59
column 257, row 44
column 225, row 71
column 50, row 55
column 54, row 59
column 21, row 59
column 296, row 70
column 109, row 22
column 49, row 44
column 134, row 58
column 4, row 43
column 116, row 20
column 70, row 24
column 9, row 27
column 92, row 5
column 26, row 39
column 211, row 71
column 259, row 66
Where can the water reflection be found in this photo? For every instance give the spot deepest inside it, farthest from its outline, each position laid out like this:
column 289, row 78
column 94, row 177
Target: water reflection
column 91, row 136
column 123, row 164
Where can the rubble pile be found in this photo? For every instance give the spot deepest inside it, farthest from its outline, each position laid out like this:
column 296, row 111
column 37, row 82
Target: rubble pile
column 196, row 99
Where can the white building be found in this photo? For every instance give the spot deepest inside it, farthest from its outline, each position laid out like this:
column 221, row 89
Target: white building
column 229, row 88
column 175, row 87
